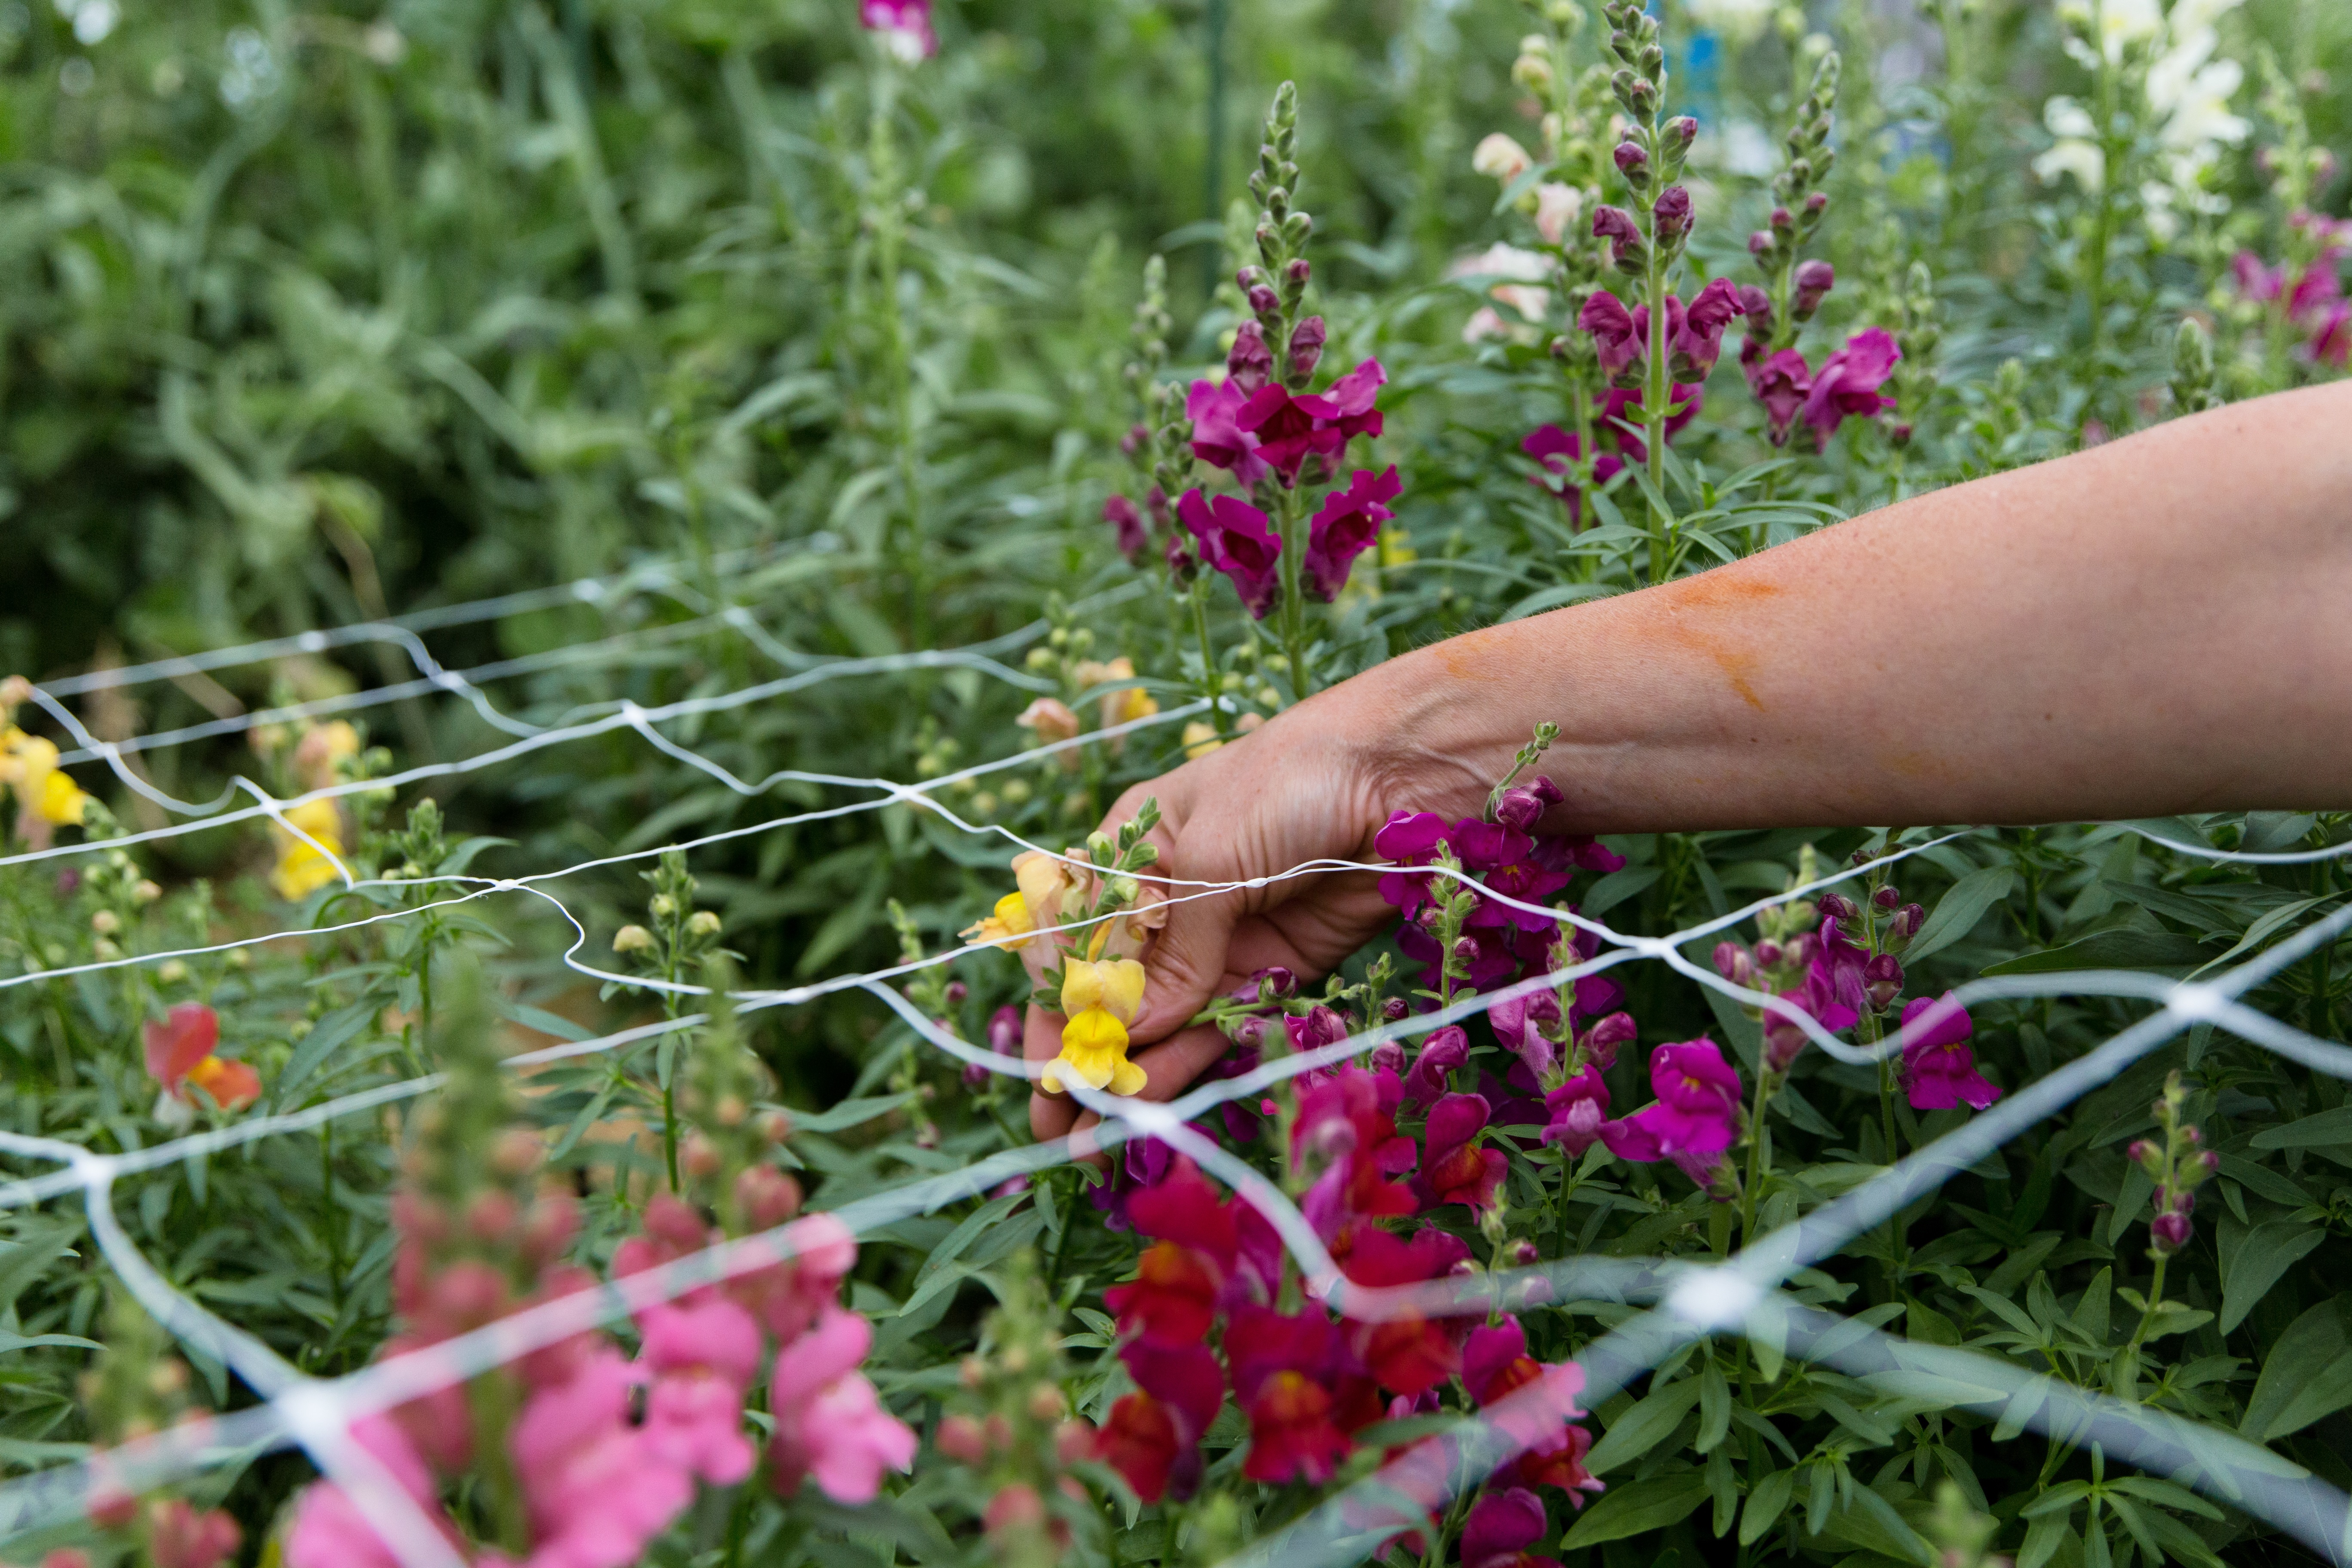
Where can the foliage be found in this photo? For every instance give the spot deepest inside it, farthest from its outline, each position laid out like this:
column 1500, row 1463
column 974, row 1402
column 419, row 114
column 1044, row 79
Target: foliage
column 312, row 315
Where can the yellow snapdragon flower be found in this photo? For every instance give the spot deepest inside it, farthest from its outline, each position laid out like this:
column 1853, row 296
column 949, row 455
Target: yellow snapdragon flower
column 301, row 869
column 44, row 791
column 1100, row 997
column 1006, row 926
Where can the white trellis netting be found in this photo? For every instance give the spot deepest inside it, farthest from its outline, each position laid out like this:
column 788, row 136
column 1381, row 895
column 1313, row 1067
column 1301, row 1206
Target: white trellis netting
column 1738, row 1295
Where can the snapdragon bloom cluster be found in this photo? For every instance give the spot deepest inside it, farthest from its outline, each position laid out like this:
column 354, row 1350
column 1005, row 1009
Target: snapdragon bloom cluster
column 2312, row 301
column 183, row 1055
column 2178, row 1163
column 47, row 796
column 1256, row 427
column 596, row 1452
column 1305, row 1381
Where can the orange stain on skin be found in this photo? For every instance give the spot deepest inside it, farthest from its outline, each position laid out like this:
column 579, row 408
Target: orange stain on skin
column 1472, row 656
column 1717, row 591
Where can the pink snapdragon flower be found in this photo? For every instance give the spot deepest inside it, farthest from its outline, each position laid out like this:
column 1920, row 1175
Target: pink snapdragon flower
column 701, row 1359
column 595, row 1491
column 1577, row 1109
column 180, row 1535
column 830, row 1425
column 1238, row 541
column 1526, row 1025
column 1846, row 386
column 1453, row 1168
column 1939, row 1068
column 1344, row 527
column 903, row 25
column 330, row 1531
column 1695, row 1119
column 1537, row 1402
column 1127, row 526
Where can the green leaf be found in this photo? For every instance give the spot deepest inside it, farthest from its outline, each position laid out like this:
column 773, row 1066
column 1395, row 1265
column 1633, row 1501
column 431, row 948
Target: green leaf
column 1957, row 912
column 1714, row 1406
column 2264, row 1181
column 2269, row 1250
column 849, row 1114
column 1766, row 1504
column 1638, row 1508
column 2327, row 1127
column 2306, row 1376
column 324, row 1038
column 1641, row 1428
column 2123, row 949
column 1616, row 887
column 2264, row 928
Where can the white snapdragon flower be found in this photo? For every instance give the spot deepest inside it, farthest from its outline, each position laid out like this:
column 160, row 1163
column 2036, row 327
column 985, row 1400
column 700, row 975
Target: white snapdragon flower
column 1737, row 20
column 2076, row 150
column 1523, row 271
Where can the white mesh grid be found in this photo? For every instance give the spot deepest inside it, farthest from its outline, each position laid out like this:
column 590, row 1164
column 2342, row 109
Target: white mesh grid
column 1739, row 1295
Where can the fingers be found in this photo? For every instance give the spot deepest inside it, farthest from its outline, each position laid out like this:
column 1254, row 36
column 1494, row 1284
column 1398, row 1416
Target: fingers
column 1050, row 1115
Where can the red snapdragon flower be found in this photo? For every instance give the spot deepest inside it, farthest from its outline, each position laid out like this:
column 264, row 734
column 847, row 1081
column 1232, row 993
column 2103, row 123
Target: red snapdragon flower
column 1185, row 1273
column 1939, row 1068
column 1445, row 1050
column 1695, row 1119
column 1782, row 382
column 1290, row 1376
column 1409, row 1354
column 1153, row 1435
column 182, row 1055
column 1535, row 1403
column 1453, row 1168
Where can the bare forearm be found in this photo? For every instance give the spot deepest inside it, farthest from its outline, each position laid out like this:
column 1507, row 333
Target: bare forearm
column 2160, row 624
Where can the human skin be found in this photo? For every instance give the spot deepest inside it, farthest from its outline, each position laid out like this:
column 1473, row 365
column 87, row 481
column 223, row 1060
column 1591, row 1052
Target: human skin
column 2160, row 625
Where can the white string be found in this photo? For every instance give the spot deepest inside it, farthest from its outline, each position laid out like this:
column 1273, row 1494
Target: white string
column 316, row 1414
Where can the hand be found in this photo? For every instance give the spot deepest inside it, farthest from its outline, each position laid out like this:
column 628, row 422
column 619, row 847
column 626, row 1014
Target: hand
column 1316, row 783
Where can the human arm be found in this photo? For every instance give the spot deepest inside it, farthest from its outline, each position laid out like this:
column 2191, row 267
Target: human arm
column 2162, row 624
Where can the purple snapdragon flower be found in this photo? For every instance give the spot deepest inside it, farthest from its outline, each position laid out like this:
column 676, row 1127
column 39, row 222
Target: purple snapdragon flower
column 1347, row 524
column 1695, row 1119
column 1214, row 408
column 1577, row 1110
column 1445, row 1050
column 1846, row 386
column 1238, row 541
column 1291, row 427
column 1939, row 1068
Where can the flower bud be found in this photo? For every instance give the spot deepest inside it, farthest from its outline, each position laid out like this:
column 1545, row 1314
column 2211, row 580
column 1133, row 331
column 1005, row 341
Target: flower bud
column 1307, row 347
column 1816, row 204
column 2169, row 1232
column 1908, row 920
column 663, row 906
column 1250, row 365
column 1796, row 952
column 960, row 1437
column 976, row 1076
column 702, row 922
column 1882, row 978
column 1522, row 1254
column 972, row 1372
column 1265, row 301
column 1681, row 131
column 1073, row 1440
column 699, row 1156
column 1814, row 279
column 766, row 1197
column 1523, row 806
column 772, row 1126
column 1466, row 951
column 146, row 892
column 515, row 1153
column 955, row 993
column 1760, row 244
column 1272, row 983
column 1601, row 1041
column 1299, row 271
column 2184, row 1201
column 1388, row 1057
column 1734, row 962
column 1770, row 954
column 632, row 938
column 1838, row 907
column 1394, row 1009
column 171, row 971
column 1016, row 1509
column 1671, row 213
column 1886, row 898
column 1632, row 161
column 106, row 922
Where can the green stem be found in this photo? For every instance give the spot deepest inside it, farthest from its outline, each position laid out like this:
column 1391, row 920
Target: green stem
column 1294, row 597
column 1658, row 388
column 1210, row 682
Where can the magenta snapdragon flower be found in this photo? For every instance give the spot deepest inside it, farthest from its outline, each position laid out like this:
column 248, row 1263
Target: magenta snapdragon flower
column 1238, row 541
column 1939, row 1068
column 1780, row 381
column 1695, row 1119
column 1344, row 527
column 1290, row 427
column 1525, row 1024
column 904, row 26
column 1577, row 1109
column 1127, row 526
column 1846, row 386
column 330, row 1531
column 1453, row 1168
column 1214, row 408
column 1445, row 1050
column 1501, row 1527
column 1817, row 999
